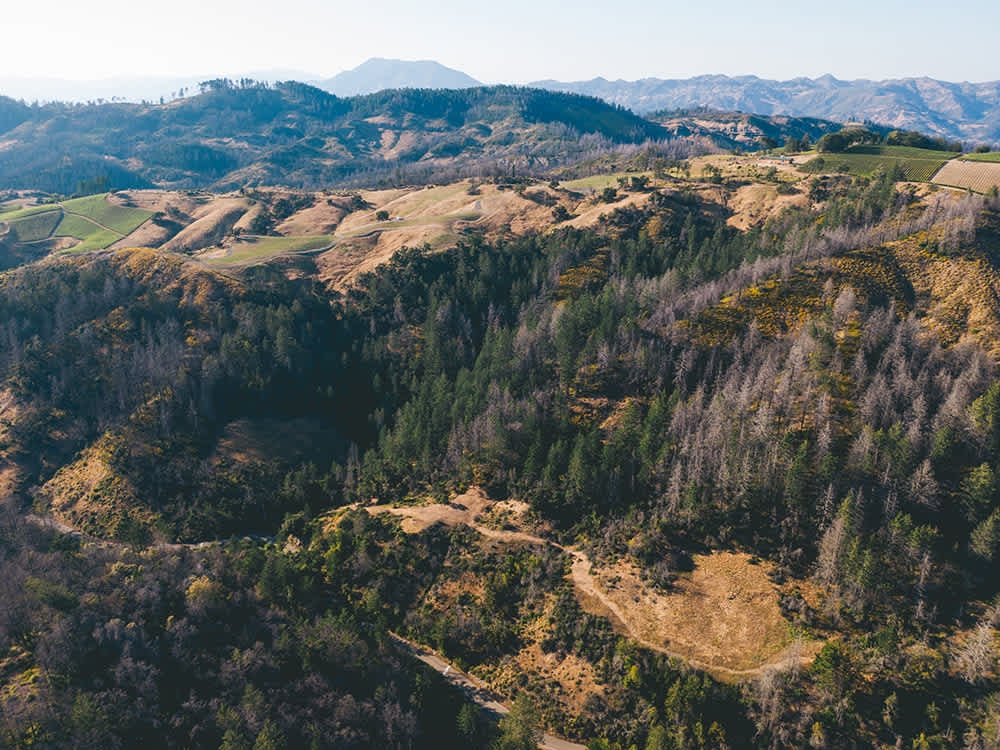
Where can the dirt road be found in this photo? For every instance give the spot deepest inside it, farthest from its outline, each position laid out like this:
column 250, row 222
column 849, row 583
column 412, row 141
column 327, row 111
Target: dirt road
column 54, row 524
column 469, row 508
column 475, row 688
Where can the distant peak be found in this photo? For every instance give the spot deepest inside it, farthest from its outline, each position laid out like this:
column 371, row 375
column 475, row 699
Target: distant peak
column 378, row 73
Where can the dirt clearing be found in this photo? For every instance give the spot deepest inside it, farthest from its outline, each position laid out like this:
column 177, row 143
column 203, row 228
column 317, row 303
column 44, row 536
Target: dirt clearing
column 723, row 617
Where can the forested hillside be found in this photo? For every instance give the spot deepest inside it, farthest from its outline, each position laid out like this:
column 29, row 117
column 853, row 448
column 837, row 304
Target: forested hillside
column 817, row 392
column 236, row 134
column 242, row 133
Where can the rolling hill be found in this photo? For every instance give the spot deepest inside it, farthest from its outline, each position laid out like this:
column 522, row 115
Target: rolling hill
column 248, row 134
column 737, row 130
column 608, row 470
column 693, row 453
column 232, row 135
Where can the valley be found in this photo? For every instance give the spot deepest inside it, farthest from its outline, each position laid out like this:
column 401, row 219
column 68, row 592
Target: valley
column 352, row 232
column 495, row 419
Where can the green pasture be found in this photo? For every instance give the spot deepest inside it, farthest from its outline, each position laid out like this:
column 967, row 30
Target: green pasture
column 251, row 248
column 600, row 181
column 21, row 213
column 991, row 156
column 91, row 236
column 117, row 218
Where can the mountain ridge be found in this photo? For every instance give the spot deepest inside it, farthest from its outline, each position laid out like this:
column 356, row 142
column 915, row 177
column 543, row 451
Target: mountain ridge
column 970, row 111
column 244, row 133
column 965, row 110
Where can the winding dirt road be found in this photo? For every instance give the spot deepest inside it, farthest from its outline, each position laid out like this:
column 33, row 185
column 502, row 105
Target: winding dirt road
column 417, row 518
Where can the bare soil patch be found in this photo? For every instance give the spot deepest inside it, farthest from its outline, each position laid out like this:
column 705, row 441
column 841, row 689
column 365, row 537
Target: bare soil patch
column 722, row 617
column 501, row 520
column 754, row 204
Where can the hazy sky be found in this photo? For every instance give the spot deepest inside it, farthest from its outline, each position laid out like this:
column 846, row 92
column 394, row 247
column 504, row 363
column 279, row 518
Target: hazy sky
column 509, row 41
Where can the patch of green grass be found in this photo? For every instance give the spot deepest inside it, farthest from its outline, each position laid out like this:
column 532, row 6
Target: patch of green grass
column 991, row 156
column 600, row 181
column 21, row 213
column 257, row 248
column 36, row 227
column 117, row 218
column 92, row 236
column 420, row 221
column 916, row 164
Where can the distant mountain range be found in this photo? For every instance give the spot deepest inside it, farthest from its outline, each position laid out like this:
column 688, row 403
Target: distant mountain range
column 967, row 111
column 378, row 74
column 125, row 88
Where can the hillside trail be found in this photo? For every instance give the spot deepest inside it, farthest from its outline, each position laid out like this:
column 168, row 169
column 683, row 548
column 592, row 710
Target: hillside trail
column 54, row 524
column 473, row 687
column 416, row 518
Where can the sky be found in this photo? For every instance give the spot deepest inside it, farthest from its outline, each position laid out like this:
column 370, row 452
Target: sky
column 514, row 41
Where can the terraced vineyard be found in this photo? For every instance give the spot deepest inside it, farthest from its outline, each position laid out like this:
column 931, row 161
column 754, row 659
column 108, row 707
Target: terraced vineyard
column 37, row 226
column 91, row 236
column 917, row 164
column 12, row 214
column 117, row 218
column 93, row 220
column 979, row 176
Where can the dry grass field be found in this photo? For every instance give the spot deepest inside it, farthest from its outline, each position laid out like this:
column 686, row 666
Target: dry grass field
column 722, row 617
column 979, row 176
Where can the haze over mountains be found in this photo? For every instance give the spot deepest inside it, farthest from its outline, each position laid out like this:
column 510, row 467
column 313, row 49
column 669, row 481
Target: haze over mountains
column 130, row 88
column 955, row 110
column 969, row 111
column 375, row 74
